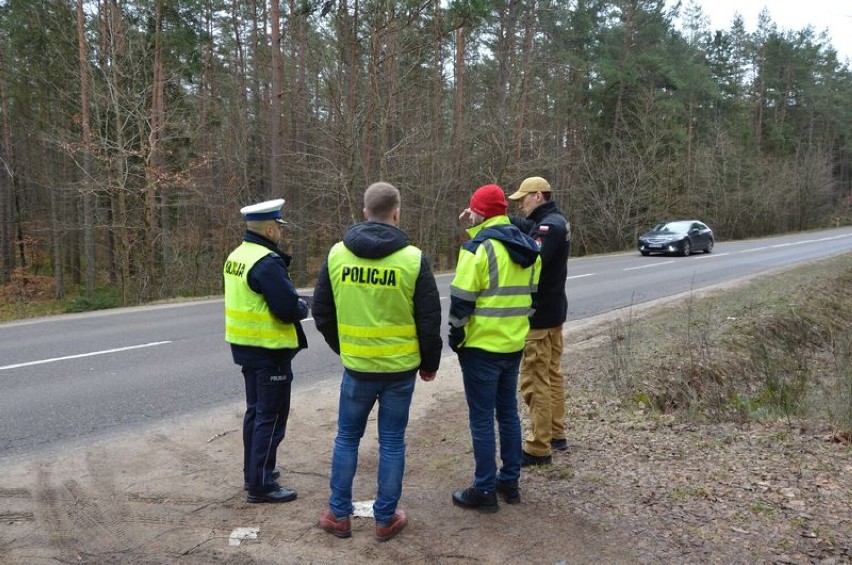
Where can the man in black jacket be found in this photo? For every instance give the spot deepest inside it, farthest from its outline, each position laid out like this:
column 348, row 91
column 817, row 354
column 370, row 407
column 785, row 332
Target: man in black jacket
column 542, row 383
column 376, row 304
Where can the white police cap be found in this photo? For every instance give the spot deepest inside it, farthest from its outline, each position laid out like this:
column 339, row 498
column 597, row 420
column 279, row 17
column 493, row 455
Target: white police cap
column 269, row 210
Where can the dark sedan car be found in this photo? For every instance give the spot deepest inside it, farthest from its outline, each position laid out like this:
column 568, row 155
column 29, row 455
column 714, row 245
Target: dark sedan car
column 681, row 238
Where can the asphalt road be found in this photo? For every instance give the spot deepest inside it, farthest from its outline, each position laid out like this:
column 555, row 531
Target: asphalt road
column 66, row 380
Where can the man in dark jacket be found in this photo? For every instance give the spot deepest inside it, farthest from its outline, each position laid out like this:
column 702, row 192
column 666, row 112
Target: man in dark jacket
column 376, row 304
column 262, row 315
column 542, row 382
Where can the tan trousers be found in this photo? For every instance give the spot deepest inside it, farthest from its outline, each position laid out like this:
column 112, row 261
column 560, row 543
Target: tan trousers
column 543, row 389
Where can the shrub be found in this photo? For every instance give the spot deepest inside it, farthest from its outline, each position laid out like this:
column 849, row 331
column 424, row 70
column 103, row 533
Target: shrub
column 101, row 299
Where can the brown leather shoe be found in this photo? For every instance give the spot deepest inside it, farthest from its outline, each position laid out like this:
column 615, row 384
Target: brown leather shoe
column 338, row 528
column 396, row 524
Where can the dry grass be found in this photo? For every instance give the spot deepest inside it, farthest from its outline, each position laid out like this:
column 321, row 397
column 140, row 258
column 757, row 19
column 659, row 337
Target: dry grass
column 716, row 428
column 779, row 346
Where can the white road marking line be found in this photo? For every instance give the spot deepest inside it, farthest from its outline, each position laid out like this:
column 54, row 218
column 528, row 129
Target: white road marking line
column 705, row 256
column 116, row 350
column 581, row 276
column 805, row 241
column 777, row 245
column 649, row 266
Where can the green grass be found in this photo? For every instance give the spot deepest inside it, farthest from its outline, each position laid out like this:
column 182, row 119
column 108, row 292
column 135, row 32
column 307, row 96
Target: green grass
column 101, row 299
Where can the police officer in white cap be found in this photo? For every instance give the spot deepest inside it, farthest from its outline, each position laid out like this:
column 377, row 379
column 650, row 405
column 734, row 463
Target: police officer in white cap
column 262, row 324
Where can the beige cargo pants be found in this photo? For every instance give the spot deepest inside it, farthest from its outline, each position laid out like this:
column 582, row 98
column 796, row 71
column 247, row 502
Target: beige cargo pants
column 543, row 389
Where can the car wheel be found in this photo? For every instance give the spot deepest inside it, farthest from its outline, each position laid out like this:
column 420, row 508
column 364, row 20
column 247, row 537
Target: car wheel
column 645, row 253
column 709, row 246
column 686, row 248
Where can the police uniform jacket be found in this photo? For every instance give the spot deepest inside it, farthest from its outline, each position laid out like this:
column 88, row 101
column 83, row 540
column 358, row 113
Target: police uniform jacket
column 376, row 240
column 549, row 227
column 269, row 277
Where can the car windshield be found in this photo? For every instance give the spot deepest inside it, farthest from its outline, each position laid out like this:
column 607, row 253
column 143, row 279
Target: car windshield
column 672, row 227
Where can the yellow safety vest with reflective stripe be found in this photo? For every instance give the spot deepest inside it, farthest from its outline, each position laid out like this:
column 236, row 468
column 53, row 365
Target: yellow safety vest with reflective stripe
column 248, row 320
column 501, row 290
column 375, row 309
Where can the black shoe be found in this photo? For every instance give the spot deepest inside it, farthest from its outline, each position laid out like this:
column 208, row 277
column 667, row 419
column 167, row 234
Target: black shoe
column 275, row 474
column 476, row 499
column 279, row 494
column 559, row 444
column 528, row 460
column 509, row 491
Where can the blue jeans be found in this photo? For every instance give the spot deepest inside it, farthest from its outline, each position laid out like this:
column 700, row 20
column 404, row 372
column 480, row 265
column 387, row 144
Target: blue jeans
column 490, row 386
column 264, row 423
column 357, row 398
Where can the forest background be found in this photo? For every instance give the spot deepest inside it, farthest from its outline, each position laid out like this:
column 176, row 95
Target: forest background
column 134, row 130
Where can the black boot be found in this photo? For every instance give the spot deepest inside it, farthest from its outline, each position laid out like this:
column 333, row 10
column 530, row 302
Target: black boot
column 559, row 444
column 476, row 499
column 509, row 491
column 277, row 494
column 529, row 460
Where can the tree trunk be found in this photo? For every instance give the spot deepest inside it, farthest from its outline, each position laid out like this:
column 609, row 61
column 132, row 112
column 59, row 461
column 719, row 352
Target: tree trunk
column 350, row 54
column 506, row 50
column 7, row 183
column 154, row 187
column 86, row 185
column 260, row 98
column 276, row 103
column 300, row 140
column 56, row 240
column 526, row 80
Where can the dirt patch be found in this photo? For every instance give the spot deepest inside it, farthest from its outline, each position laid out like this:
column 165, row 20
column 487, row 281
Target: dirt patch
column 174, row 494
column 635, row 487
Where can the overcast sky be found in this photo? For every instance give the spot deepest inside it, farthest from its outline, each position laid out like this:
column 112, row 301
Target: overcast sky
column 833, row 15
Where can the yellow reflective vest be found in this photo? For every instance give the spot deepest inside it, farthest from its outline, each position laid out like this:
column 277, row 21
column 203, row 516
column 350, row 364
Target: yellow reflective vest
column 374, row 299
column 501, row 290
column 248, row 320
